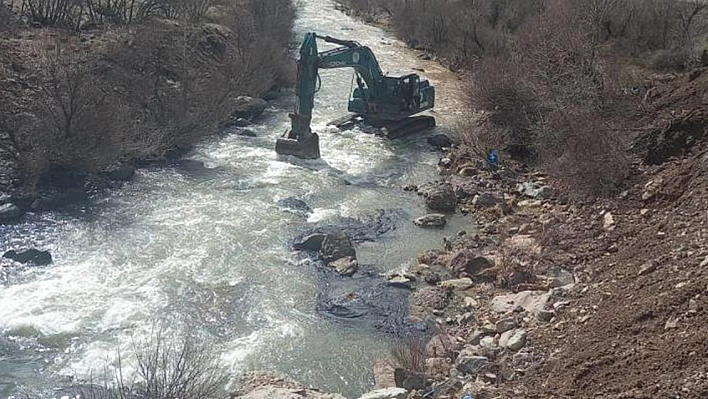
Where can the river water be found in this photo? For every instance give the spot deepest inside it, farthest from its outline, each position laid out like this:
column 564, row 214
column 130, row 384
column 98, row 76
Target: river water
column 209, row 249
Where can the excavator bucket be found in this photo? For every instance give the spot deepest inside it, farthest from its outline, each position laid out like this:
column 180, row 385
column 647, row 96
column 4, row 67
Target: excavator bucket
column 306, row 148
column 299, row 141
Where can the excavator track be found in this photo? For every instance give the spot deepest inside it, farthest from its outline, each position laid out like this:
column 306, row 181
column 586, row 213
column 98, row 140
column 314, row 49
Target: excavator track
column 388, row 129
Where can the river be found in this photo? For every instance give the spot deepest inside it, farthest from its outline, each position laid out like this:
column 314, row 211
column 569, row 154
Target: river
column 209, row 250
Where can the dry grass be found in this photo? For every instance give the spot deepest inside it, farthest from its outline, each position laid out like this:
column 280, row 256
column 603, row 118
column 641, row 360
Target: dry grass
column 409, row 353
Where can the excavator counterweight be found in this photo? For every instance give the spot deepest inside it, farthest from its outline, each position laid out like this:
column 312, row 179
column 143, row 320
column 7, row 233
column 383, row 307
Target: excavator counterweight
column 387, row 103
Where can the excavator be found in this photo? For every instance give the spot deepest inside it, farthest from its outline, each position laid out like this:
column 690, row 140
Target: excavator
column 390, row 104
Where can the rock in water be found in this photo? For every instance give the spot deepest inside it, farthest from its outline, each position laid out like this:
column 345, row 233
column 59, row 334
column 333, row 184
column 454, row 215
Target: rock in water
column 294, row 205
column 123, row 172
column 246, row 133
column 345, row 266
column 439, row 196
column 313, row 242
column 248, row 107
column 431, row 220
column 34, row 256
column 9, row 213
column 440, row 141
column 337, row 245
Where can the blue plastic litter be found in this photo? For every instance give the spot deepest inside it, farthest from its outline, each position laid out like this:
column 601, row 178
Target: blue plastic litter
column 493, row 161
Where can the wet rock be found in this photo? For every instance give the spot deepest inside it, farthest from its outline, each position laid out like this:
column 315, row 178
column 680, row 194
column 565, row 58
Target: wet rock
column 30, row 256
column 440, row 141
column 431, row 220
column 294, row 205
column 337, row 245
column 409, row 379
column 385, row 393
column 312, row 242
column 517, row 340
column 432, row 297
column 124, row 172
column 400, row 282
column 248, row 107
column 485, row 200
column 57, row 199
column 366, row 229
column 439, row 196
column 471, row 364
column 235, row 123
column 9, row 213
column 466, row 261
column 459, row 284
column 345, row 266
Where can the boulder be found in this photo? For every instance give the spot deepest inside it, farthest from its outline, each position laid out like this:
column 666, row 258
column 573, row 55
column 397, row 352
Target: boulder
column 466, row 261
column 123, row 172
column 345, row 266
column 431, row 220
column 409, row 379
column 9, row 213
column 337, row 245
column 30, row 256
column 431, row 297
column 385, row 393
column 248, row 107
column 313, row 242
column 440, row 141
column 532, row 301
column 439, row 196
column 384, row 374
column 471, row 364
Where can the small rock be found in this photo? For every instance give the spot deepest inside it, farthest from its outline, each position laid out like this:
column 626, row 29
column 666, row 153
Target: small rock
column 439, row 196
column 504, row 338
column 489, row 328
column 648, row 267
column 9, row 213
column 487, row 343
column 437, row 366
column 459, row 284
column 468, row 171
column 545, row 315
column 533, row 190
column 475, row 337
column 470, row 302
column 644, row 212
column 471, row 364
column 505, row 325
column 431, row 220
column 704, row 263
column 399, row 281
column 609, row 222
column 33, row 256
column 466, row 261
column 560, row 278
column 431, row 297
column 517, row 340
column 671, row 324
column 530, row 204
column 345, row 266
column 445, row 163
column 485, row 200
column 385, row 393
column 5, row 198
column 651, row 189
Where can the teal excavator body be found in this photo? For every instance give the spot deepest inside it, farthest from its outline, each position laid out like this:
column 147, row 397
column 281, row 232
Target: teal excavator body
column 385, row 102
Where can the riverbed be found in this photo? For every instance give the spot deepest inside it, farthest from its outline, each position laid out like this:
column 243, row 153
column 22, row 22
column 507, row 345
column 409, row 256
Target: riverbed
column 208, row 250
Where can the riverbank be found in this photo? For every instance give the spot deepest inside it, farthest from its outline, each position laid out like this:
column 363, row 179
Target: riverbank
column 89, row 97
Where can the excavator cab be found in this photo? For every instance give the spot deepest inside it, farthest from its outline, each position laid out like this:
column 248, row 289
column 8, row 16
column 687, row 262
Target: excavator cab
column 403, row 96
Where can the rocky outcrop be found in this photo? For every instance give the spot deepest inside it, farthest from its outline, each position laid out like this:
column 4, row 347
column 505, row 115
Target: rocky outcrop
column 30, row 256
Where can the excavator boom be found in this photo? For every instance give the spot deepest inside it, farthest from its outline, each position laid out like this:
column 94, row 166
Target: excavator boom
column 379, row 100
